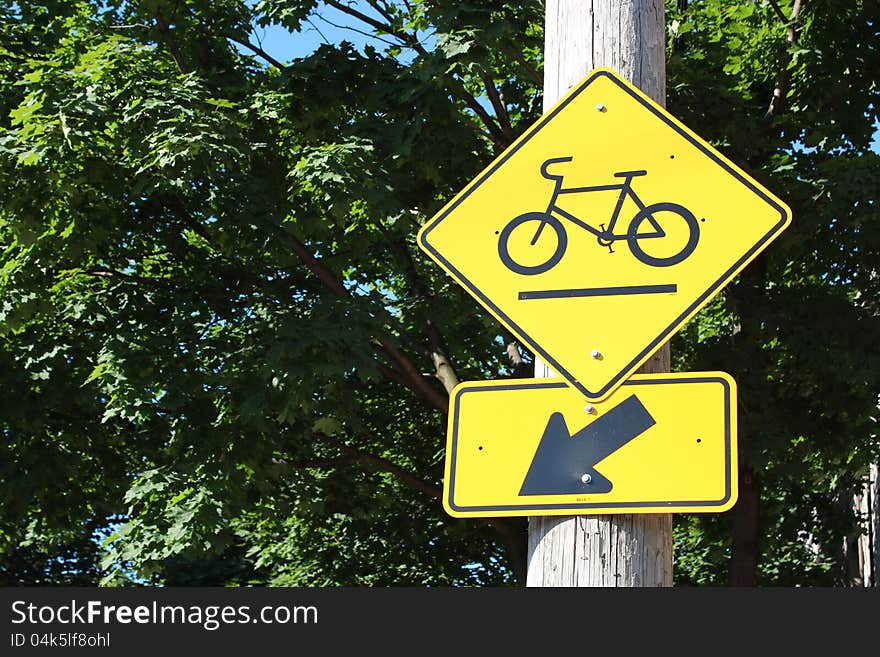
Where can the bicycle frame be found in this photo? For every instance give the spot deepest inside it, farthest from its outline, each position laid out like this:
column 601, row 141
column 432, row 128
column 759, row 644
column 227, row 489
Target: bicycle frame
column 625, row 188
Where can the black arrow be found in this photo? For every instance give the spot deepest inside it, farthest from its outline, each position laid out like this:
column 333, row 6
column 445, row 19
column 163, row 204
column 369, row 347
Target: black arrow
column 562, row 459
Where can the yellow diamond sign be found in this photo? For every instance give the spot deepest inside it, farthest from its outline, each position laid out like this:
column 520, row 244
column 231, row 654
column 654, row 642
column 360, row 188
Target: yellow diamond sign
column 601, row 231
column 660, row 443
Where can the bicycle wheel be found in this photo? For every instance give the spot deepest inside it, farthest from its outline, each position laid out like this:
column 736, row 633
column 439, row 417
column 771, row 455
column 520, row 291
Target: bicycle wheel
column 542, row 219
column 678, row 213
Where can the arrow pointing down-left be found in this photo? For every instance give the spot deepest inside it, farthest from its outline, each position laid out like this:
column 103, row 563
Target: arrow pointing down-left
column 562, row 459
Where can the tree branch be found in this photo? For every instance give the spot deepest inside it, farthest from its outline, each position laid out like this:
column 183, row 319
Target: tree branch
column 780, row 90
column 519, row 59
column 327, row 277
column 259, row 51
column 375, row 5
column 412, row 41
column 355, row 30
column 315, row 463
column 439, row 352
column 443, row 369
column 498, row 105
column 391, row 374
column 482, row 133
column 513, row 354
column 521, row 368
column 385, row 465
column 408, row 39
column 403, row 372
column 171, row 44
column 425, row 393
column 495, row 132
column 414, row 379
column 778, row 10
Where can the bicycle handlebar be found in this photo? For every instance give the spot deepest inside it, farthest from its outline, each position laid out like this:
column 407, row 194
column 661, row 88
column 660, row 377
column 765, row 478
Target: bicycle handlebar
column 553, row 160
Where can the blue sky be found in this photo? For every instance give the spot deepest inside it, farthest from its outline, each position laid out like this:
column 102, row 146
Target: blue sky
column 330, row 26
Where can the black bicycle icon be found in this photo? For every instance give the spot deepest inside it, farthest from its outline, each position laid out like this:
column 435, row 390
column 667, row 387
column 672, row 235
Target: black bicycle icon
column 634, row 235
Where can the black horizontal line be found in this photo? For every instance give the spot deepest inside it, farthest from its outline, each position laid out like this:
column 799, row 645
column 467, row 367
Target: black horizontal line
column 598, row 291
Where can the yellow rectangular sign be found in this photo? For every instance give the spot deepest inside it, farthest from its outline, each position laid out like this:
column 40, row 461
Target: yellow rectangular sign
column 661, row 443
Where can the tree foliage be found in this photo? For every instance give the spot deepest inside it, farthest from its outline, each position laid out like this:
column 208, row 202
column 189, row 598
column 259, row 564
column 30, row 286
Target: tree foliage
column 790, row 90
column 225, row 361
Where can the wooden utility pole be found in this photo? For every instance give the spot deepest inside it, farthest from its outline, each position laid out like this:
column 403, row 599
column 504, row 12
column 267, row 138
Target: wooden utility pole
column 612, row 550
column 865, row 504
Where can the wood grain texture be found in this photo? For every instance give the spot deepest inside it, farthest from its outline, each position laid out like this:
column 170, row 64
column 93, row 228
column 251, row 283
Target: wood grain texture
column 866, row 503
column 616, row 550
column 626, row 35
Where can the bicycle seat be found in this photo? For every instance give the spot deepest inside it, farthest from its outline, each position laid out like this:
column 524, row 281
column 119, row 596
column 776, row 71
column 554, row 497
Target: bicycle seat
column 553, row 160
column 630, row 174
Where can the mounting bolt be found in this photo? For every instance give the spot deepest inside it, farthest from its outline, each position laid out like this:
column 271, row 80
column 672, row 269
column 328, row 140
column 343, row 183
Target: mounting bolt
column 596, row 354
column 589, row 408
column 601, row 108
column 586, row 478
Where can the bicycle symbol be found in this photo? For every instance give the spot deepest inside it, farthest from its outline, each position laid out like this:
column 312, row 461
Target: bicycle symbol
column 671, row 212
